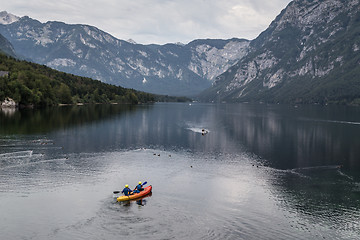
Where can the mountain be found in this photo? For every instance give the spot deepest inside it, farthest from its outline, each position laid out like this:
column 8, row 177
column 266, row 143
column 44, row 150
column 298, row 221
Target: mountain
column 309, row 54
column 173, row 69
column 6, row 47
column 7, row 18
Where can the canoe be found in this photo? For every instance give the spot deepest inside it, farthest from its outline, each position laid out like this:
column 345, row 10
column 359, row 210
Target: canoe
column 146, row 191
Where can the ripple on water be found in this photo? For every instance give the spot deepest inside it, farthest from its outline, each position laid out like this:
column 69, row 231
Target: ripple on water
column 319, row 201
column 227, row 199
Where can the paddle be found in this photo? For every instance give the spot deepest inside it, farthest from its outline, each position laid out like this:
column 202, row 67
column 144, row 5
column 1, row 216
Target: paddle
column 115, row 192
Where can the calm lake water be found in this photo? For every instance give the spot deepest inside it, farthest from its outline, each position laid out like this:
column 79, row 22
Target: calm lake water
column 258, row 172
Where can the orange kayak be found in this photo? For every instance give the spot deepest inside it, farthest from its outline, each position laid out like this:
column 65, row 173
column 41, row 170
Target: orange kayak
column 146, row 191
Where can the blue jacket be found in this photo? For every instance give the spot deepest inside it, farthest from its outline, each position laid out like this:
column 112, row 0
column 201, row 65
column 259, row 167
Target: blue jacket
column 126, row 191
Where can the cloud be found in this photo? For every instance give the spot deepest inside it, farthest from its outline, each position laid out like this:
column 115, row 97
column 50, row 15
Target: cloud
column 158, row 21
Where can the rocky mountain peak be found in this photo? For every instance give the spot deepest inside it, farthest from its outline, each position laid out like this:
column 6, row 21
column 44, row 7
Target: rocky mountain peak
column 132, row 41
column 8, row 18
column 298, row 56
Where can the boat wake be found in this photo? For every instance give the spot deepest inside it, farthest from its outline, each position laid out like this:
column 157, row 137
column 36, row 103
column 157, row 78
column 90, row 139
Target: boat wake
column 203, row 131
column 333, row 121
column 318, row 168
column 345, row 175
column 343, row 122
column 31, row 163
column 19, row 154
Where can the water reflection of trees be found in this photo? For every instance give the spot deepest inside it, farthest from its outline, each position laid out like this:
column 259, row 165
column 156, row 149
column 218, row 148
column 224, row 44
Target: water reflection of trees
column 32, row 121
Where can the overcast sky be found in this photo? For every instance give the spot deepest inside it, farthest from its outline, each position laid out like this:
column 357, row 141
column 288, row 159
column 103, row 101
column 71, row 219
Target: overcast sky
column 157, row 21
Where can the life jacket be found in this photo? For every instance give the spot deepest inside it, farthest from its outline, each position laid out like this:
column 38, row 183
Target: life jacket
column 139, row 187
column 126, row 191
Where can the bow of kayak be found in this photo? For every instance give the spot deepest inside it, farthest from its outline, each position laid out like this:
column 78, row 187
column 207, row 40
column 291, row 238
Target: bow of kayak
column 143, row 193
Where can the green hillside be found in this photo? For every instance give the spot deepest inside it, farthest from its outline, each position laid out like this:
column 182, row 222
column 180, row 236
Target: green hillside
column 32, row 84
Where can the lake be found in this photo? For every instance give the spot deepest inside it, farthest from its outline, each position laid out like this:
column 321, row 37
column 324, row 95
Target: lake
column 218, row 171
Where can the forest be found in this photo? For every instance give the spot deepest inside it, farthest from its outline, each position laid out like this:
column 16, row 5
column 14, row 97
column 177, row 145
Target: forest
column 31, row 84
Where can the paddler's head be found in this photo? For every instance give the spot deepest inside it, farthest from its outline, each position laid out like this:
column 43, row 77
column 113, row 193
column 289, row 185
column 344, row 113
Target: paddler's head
column 126, row 185
column 140, row 183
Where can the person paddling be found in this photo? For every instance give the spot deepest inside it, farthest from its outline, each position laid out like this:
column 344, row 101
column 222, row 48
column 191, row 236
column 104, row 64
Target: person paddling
column 138, row 188
column 127, row 191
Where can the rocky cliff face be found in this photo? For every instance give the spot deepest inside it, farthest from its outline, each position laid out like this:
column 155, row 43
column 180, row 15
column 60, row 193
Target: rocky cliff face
column 310, row 53
column 6, row 47
column 83, row 50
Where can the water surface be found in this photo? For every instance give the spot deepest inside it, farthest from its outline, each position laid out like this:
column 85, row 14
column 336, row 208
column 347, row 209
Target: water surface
column 227, row 171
